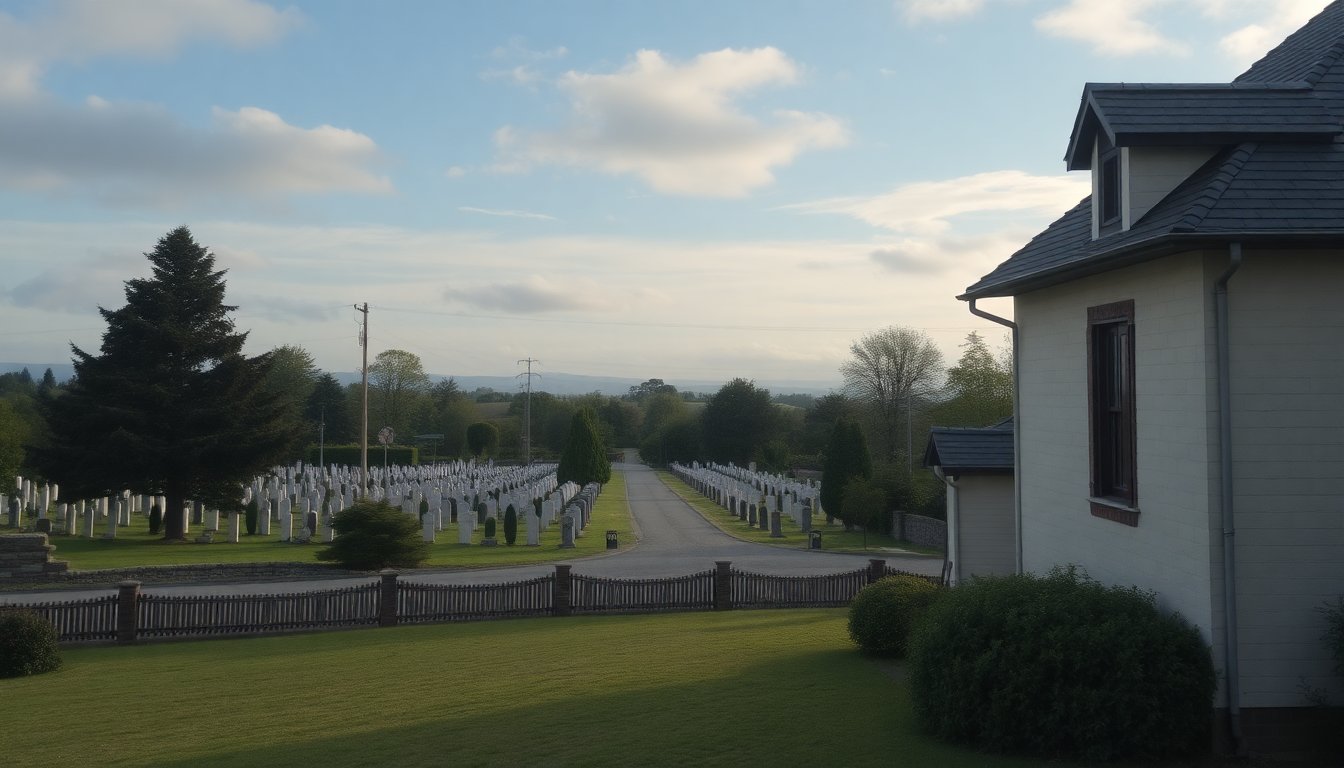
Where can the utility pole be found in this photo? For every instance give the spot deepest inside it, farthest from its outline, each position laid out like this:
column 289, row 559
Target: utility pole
column 364, row 422
column 527, row 410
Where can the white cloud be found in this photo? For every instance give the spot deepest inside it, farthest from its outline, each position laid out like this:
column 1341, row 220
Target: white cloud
column 1278, row 19
column 78, row 30
column 927, row 207
column 678, row 126
column 534, row 295
column 916, row 11
column 455, row 172
column 137, row 153
column 1112, row 28
column 506, row 213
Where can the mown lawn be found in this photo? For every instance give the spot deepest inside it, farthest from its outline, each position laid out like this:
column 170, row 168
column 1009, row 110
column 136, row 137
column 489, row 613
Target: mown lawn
column 740, row 688
column 134, row 546
column 833, row 537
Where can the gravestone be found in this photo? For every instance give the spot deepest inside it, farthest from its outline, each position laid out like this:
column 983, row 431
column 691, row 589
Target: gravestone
column 567, row 531
column 776, row 530
column 427, row 528
column 233, row 527
column 533, row 528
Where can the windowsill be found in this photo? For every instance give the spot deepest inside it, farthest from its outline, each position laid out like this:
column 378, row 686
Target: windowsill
column 1114, row 510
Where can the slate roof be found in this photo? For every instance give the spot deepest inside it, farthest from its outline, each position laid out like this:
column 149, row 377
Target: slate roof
column 959, row 450
column 1278, row 177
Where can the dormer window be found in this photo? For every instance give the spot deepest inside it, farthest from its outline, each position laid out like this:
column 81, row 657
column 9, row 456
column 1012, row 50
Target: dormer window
column 1108, row 188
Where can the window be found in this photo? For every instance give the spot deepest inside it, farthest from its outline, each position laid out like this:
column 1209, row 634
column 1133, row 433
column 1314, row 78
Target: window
column 1110, row 359
column 1109, row 187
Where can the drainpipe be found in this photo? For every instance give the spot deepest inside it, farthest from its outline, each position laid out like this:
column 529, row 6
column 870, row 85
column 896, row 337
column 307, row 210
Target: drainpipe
column 1225, row 498
column 1017, row 427
column 952, row 557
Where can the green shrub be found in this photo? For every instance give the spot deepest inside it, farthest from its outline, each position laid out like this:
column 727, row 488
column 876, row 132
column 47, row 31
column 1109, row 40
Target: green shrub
column 1061, row 666
column 28, row 644
column 250, row 517
column 155, row 519
column 510, row 525
column 372, row 535
column 1334, row 632
column 424, row 508
column 489, row 527
column 883, row 613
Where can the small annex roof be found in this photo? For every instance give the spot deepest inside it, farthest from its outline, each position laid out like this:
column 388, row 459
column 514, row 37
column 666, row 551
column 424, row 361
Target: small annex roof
column 963, row 450
column 1267, row 184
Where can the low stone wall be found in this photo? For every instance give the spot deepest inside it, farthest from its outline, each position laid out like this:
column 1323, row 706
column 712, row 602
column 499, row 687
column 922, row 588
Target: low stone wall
column 917, row 529
column 27, row 557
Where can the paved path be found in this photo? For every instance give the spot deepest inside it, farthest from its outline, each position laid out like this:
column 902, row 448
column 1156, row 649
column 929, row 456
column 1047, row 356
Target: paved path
column 673, row 540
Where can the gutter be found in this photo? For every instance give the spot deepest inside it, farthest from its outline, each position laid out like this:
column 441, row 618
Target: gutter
column 1225, row 499
column 952, row 557
column 1017, row 428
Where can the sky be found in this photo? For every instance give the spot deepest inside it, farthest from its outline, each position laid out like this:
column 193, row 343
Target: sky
column 678, row 190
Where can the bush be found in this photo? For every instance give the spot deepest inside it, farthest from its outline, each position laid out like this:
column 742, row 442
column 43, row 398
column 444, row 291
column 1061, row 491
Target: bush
column 372, row 535
column 510, row 526
column 883, row 613
column 250, row 517
column 1059, row 666
column 1334, row 632
column 155, row 520
column 489, row 527
column 28, row 644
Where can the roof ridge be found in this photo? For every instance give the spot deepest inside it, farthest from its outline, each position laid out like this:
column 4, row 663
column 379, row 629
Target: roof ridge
column 1323, row 64
column 1216, row 187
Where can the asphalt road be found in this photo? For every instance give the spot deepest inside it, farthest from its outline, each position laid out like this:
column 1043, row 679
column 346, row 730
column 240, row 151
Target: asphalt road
column 672, row 540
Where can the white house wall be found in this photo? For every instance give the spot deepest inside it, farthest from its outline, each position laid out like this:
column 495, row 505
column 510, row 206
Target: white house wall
column 1151, row 173
column 1168, row 552
column 1287, row 330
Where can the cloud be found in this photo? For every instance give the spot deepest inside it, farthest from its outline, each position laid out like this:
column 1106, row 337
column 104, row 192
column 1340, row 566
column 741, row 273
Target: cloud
column 916, row 11
column 508, row 213
column 677, row 126
column 79, row 30
column 903, row 261
column 1279, row 19
column 75, row 288
column 455, row 172
column 536, row 295
column 139, row 153
column 927, row 207
column 1111, row 28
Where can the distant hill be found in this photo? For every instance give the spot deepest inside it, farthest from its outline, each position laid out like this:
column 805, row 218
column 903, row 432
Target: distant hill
column 554, row 383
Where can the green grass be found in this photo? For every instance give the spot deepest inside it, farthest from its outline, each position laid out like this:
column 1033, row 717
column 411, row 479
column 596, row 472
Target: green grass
column 833, row 537
column 707, row 689
column 134, row 546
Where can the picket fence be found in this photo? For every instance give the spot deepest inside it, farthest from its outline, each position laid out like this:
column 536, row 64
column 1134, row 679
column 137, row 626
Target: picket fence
column 129, row 616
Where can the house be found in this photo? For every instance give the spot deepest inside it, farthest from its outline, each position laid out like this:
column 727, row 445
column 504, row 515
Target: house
column 976, row 464
column 1179, row 340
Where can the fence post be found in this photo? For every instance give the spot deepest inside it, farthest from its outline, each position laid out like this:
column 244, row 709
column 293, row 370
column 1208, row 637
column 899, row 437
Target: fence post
column 560, row 600
column 723, row 585
column 128, row 611
column 387, row 602
column 876, row 569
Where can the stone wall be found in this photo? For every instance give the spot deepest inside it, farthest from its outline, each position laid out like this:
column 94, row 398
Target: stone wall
column 917, row 529
column 27, row 557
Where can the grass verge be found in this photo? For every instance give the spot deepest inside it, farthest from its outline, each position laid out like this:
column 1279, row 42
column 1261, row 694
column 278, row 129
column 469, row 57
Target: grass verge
column 706, row 689
column 134, row 546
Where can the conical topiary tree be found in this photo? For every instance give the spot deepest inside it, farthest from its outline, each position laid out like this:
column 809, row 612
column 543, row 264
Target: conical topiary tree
column 585, row 457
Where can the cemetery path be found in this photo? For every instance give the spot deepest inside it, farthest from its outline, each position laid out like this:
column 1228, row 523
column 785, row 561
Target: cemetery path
column 674, row 540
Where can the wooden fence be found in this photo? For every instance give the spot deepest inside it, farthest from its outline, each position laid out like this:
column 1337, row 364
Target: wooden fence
column 129, row 616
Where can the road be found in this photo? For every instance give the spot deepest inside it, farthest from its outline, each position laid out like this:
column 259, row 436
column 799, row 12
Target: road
column 673, row 540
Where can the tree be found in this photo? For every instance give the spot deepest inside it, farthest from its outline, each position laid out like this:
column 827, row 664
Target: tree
column 979, row 389
column 847, row 458
column 13, row 435
column 170, row 405
column 891, row 371
column 397, row 380
column 372, row 535
column 291, row 380
column 585, row 457
column 738, row 422
column 864, row 505
column 482, row 438
column 327, row 405
column 649, row 388
column 48, row 384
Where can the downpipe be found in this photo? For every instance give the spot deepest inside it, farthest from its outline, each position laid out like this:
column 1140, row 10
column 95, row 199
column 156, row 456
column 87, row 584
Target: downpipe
column 1225, row 499
column 1017, row 428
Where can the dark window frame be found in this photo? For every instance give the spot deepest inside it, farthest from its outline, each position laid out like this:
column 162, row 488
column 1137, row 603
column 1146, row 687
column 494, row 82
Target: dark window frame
column 1109, row 189
column 1112, row 413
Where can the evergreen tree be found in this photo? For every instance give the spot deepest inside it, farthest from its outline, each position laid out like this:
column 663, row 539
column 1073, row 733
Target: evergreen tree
column 328, row 404
column 585, row 457
column 738, row 422
column 48, row 384
column 847, row 458
column 170, row 405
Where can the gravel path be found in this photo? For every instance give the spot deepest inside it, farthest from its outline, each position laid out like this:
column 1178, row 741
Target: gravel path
column 673, row 540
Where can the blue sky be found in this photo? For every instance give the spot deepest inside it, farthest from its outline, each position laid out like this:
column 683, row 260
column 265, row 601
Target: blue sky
column 689, row 190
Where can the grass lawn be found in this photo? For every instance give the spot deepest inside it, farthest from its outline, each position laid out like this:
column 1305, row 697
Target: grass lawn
column 833, row 537
column 134, row 546
column 740, row 688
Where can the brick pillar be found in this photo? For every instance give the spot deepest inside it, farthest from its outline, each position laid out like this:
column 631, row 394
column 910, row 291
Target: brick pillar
column 387, row 598
column 876, row 569
column 560, row 605
column 723, row 585
column 128, row 612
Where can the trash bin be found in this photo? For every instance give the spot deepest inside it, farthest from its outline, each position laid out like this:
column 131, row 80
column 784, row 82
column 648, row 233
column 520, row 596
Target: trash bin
column 814, row 540
column 611, row 539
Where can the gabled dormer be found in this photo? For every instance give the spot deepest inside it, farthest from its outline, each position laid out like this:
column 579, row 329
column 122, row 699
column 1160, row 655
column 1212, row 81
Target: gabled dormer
column 1141, row 141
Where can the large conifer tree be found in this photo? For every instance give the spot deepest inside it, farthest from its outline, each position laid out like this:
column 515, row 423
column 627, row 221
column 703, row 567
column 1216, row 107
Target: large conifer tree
column 585, row 457
column 170, row 405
